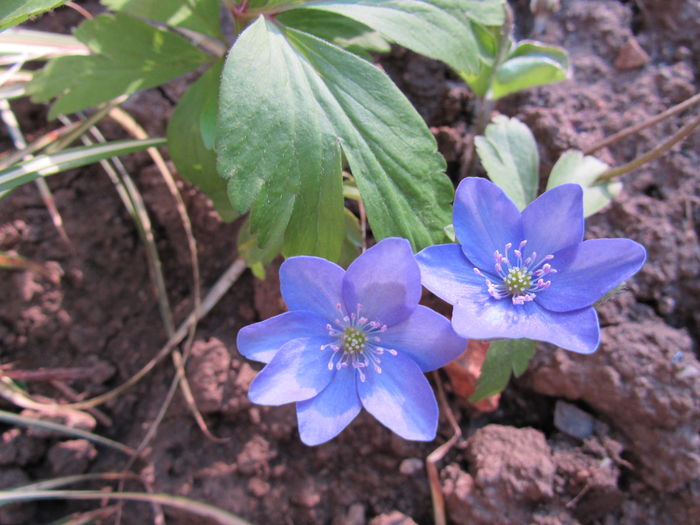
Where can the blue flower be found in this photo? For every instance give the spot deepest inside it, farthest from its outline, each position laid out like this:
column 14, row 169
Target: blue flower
column 352, row 339
column 526, row 275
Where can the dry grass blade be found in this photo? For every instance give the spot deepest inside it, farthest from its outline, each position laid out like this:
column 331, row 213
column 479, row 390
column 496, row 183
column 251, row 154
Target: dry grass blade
column 678, row 108
column 20, row 143
column 16, row 419
column 129, row 124
column 21, row 263
column 436, row 455
column 682, row 134
column 186, row 504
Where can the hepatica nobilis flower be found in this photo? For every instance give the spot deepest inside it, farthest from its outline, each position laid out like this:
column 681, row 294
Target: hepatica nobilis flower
column 526, row 275
column 352, row 339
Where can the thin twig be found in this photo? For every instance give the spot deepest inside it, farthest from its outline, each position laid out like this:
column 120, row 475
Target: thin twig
column 436, row 455
column 684, row 132
column 688, row 103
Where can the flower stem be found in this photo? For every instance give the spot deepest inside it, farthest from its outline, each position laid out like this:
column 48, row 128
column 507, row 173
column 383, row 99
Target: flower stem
column 690, row 102
column 684, row 132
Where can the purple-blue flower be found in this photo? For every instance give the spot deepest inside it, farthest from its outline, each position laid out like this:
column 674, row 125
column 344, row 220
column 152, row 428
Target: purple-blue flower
column 526, row 275
column 352, row 339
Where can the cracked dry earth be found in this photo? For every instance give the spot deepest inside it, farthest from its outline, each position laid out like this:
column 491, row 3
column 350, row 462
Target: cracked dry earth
column 608, row 438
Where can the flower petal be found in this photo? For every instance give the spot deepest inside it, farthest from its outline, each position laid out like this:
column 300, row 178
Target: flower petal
column 554, row 220
column 323, row 417
column 312, row 284
column 485, row 219
column 261, row 341
column 401, row 399
column 595, row 268
column 487, row 318
column 426, row 337
column 298, row 372
column 447, row 272
column 385, row 280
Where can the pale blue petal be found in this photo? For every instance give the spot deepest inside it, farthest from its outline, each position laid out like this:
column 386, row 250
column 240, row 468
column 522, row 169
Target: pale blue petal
column 487, row 318
column 312, row 284
column 554, row 220
column 426, row 337
column 485, row 220
column 401, row 399
column 261, row 341
column 298, row 372
column 385, row 280
column 323, row 417
column 447, row 272
column 595, row 268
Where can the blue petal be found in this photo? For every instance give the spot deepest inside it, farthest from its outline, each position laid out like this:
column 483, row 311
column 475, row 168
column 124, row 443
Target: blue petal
column 485, row 219
column 554, row 220
column 312, row 284
column 261, row 341
column 595, row 268
column 401, row 399
column 487, row 318
column 385, row 280
column 298, row 372
column 323, row 417
column 447, row 273
column 426, row 337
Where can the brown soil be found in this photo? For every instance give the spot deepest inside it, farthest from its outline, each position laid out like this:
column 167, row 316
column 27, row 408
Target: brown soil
column 624, row 446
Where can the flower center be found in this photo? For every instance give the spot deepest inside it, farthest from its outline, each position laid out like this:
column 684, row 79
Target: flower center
column 354, row 340
column 520, row 279
column 357, row 343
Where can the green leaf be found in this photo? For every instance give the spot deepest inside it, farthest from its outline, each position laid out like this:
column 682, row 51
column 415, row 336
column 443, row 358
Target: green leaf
column 288, row 106
column 509, row 155
column 13, row 12
column 530, row 64
column 503, row 358
column 255, row 256
column 45, row 165
column 122, row 65
column 440, row 29
column 352, row 243
column 197, row 15
column 575, row 167
column 188, row 150
column 340, row 30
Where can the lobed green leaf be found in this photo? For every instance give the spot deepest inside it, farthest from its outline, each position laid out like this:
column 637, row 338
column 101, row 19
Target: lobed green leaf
column 575, row 167
column 13, row 12
column 190, row 140
column 289, row 103
column 503, row 358
column 147, row 58
column 509, row 155
column 440, row 29
column 197, row 15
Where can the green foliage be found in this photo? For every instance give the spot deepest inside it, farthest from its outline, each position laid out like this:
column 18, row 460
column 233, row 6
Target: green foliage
column 503, row 358
column 509, row 154
column 337, row 29
column 45, row 165
column 190, row 140
column 290, row 103
column 197, row 15
column 13, row 12
column 440, row 29
column 130, row 55
column 574, row 166
column 520, row 66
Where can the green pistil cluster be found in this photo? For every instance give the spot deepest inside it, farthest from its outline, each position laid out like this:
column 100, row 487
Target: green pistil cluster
column 354, row 340
column 518, row 280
